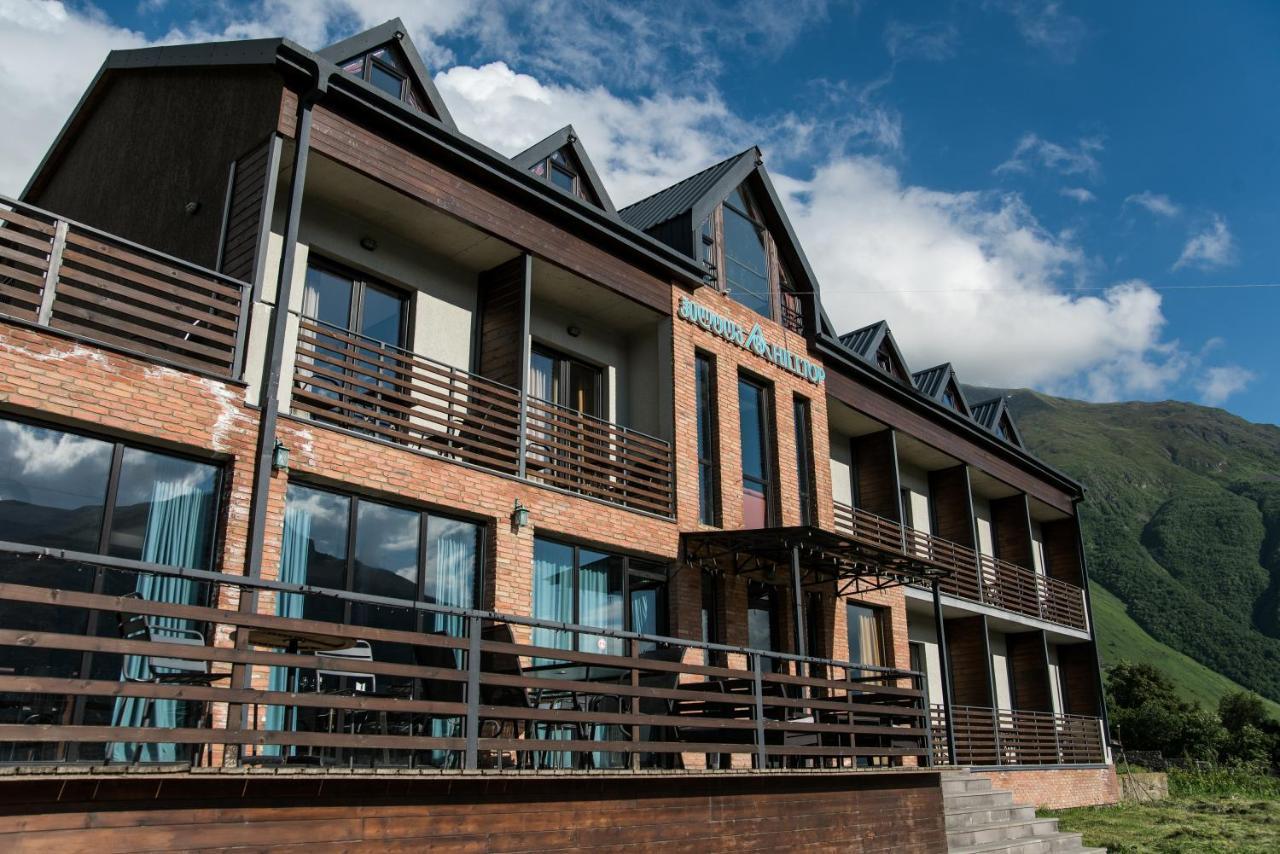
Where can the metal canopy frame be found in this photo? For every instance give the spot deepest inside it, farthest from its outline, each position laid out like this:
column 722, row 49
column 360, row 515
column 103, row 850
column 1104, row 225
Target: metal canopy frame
column 766, row 554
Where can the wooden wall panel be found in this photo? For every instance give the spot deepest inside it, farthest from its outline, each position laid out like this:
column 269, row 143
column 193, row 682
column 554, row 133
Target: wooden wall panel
column 501, row 323
column 1079, row 679
column 952, row 505
column 870, row 812
column 395, row 165
column 250, row 207
column 970, row 668
column 1012, row 527
column 949, row 440
column 876, row 463
column 1029, row 671
column 1062, row 551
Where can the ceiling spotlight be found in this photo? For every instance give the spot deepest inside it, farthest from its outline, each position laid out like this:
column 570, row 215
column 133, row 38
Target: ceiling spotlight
column 368, row 243
column 574, row 331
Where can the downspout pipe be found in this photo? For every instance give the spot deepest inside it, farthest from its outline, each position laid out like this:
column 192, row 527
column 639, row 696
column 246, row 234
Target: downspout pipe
column 944, row 664
column 1093, row 630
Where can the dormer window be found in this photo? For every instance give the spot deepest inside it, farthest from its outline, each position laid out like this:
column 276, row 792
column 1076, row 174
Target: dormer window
column 949, row 400
column 558, row 169
column 746, row 261
column 885, row 360
column 384, row 70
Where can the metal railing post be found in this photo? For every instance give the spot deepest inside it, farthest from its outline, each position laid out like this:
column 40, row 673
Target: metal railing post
column 242, row 331
column 51, row 275
column 633, row 704
column 757, row 692
column 471, row 759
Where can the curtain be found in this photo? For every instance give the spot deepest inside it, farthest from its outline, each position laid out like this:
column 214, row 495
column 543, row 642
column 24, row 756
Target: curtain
column 453, row 581
column 293, row 570
column 552, row 595
column 864, row 630
column 172, row 537
column 541, row 372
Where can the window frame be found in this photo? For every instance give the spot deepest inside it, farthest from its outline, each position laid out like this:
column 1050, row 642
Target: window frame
column 806, row 474
column 708, row 438
column 628, row 570
column 766, row 240
column 562, row 365
column 360, row 283
column 768, row 443
column 878, row 612
column 367, row 63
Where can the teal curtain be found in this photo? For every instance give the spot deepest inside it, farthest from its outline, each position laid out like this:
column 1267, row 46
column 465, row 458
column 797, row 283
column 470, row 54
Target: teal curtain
column 552, row 595
column 173, row 537
column 451, row 582
column 293, row 570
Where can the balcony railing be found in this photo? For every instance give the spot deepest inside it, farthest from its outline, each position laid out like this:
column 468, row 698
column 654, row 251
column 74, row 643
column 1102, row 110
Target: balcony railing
column 976, row 577
column 395, row 395
column 84, row 282
column 139, row 684
column 1014, row 737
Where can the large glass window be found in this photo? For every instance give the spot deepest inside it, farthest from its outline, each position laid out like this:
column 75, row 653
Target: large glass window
column 745, row 259
column 804, row 459
column 578, row 585
column 381, row 68
column 762, row 619
column 349, row 301
column 866, row 634
column 757, row 475
column 708, row 474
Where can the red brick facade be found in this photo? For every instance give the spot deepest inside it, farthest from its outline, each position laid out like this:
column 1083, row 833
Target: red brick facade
column 1058, row 788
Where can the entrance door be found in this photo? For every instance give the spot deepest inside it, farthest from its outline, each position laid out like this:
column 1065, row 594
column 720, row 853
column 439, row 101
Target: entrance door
column 569, row 389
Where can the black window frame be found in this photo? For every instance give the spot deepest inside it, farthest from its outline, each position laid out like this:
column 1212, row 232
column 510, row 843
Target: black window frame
column 369, row 61
column 806, row 474
column 754, row 591
column 711, row 601
column 707, row 418
column 768, row 443
column 360, row 283
column 880, row 613
column 628, row 570
column 563, row 363
column 762, row 231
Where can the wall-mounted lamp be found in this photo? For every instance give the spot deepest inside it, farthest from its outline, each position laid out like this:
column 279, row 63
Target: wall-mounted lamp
column 574, row 330
column 280, row 456
column 192, row 208
column 368, row 244
column 519, row 515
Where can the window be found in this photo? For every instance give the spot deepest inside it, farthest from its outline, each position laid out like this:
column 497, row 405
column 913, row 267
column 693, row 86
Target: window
column 757, row 474
column 573, row 584
column 804, row 459
column 792, row 312
column 884, row 359
column 566, row 381
column 708, row 475
column 384, row 70
column 866, row 636
column 352, row 302
column 65, row 490
column 745, row 258
column 558, row 169
column 709, row 617
column 762, row 619
column 709, row 245
column 908, row 514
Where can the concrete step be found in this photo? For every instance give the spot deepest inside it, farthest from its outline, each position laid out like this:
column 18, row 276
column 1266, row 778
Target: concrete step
column 977, row 800
column 998, row 831
column 965, row 785
column 1058, row 843
column 959, row 819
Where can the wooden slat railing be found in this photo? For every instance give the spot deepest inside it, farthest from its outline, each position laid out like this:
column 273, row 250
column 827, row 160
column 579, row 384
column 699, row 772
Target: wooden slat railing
column 105, row 289
column 482, row 696
column 587, row 455
column 869, row 528
column 961, row 560
column 361, row 384
column 1023, row 591
column 986, row 736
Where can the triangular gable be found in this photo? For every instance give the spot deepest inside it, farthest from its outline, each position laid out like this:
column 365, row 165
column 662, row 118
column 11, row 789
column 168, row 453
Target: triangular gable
column 566, row 141
column 940, row 384
column 395, row 38
column 874, row 344
column 994, row 415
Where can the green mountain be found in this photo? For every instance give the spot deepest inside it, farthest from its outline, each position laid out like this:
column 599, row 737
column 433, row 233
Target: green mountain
column 1182, row 528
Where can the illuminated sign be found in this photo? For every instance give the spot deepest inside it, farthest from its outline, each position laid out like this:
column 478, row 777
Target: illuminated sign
column 753, row 340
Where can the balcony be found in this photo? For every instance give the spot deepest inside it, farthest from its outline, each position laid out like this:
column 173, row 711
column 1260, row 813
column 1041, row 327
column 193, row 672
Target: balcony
column 1014, row 737
column 975, row 577
column 141, row 678
column 398, row 396
column 97, row 287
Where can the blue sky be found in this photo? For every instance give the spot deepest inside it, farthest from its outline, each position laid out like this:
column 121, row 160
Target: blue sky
column 1037, row 191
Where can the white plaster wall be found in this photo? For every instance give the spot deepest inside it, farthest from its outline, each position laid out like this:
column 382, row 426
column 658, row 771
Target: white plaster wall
column 1000, row 667
column 1037, row 546
column 841, row 469
column 982, row 515
column 1055, row 679
column 920, row 628
column 916, row 482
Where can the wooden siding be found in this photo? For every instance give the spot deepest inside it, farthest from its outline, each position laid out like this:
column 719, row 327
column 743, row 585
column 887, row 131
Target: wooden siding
column 970, row 661
column 947, row 439
column 953, row 505
column 150, row 142
column 1062, row 551
column 832, row 812
column 501, row 323
column 248, row 209
column 1011, row 525
column 395, row 165
column 1029, row 671
column 876, row 462
column 1079, row 679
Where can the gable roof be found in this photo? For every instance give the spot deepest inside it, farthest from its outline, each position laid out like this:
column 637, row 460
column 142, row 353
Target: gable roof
column 395, row 34
column 867, row 341
column 683, row 196
column 934, row 383
column 990, row 413
column 567, row 137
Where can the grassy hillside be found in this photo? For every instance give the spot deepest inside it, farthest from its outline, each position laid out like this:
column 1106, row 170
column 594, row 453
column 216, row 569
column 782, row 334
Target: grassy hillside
column 1181, row 524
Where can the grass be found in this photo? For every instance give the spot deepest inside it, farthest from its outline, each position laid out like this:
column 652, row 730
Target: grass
column 1210, row 811
column 1119, row 637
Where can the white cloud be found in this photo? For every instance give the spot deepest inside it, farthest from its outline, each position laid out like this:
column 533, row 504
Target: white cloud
column 1217, row 384
column 1156, row 203
column 1065, row 160
column 1212, row 246
column 1078, row 194
column 933, row 42
column 1043, row 24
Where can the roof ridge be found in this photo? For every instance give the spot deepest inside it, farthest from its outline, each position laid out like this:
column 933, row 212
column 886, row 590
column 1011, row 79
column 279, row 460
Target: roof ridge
column 688, row 178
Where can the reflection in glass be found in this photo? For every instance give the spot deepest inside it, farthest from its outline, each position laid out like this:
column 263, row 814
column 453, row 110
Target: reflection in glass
column 600, row 580
column 746, row 265
column 53, row 487
column 753, row 431
column 552, row 592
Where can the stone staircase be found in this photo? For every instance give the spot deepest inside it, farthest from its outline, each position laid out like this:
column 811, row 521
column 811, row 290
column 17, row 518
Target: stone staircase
column 983, row 820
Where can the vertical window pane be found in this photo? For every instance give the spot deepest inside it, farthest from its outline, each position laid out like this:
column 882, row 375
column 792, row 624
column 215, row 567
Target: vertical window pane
column 327, row 297
column 705, row 392
column 165, row 510
column 746, row 268
column 760, row 604
column 452, row 547
column 562, row 178
column 387, row 81
column 316, row 532
column 552, row 591
column 865, row 643
column 756, row 477
column 53, row 487
column 386, row 553
column 804, row 460
column 382, row 317
column 600, row 603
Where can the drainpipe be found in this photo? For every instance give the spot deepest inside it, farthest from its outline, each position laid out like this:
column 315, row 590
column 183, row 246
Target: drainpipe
column 1093, row 634
column 945, row 666
column 269, row 394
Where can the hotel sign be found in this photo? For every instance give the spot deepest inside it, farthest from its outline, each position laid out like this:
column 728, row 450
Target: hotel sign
column 753, row 340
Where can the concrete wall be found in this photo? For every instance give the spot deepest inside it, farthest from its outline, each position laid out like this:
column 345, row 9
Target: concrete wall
column 1000, row 670
column 916, row 481
column 921, row 630
column 841, row 468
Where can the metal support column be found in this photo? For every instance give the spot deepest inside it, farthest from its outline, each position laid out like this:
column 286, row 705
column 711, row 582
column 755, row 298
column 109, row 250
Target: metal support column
column 944, row 660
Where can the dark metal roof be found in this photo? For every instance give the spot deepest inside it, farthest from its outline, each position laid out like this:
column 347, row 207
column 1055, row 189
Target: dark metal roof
column 864, row 342
column 934, row 382
column 989, row 414
column 682, row 196
column 567, row 137
column 394, row 33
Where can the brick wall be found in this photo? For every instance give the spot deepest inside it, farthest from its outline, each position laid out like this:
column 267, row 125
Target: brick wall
column 1058, row 788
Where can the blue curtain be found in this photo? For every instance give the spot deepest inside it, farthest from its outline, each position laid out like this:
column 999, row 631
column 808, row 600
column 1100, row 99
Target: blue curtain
column 552, row 595
column 452, row 582
column 173, row 537
column 293, row 570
